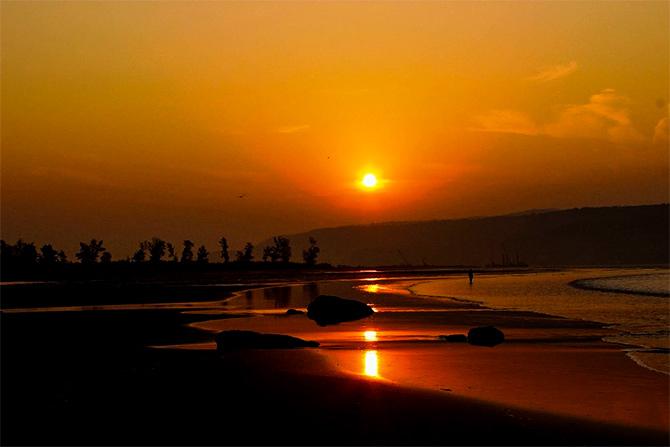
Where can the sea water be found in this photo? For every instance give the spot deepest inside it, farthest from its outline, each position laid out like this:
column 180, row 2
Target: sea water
column 651, row 284
column 547, row 364
column 635, row 303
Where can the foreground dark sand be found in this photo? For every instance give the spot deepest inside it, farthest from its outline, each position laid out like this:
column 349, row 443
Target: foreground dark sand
column 89, row 378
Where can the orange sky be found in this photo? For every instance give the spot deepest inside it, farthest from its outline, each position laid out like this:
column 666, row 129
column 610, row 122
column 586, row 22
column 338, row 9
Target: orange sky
column 125, row 120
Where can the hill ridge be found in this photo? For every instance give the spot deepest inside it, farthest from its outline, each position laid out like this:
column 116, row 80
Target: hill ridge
column 612, row 235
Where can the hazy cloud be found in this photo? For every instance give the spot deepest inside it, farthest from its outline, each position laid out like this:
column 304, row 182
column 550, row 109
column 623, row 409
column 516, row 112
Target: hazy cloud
column 506, row 121
column 605, row 116
column 293, row 129
column 661, row 132
column 554, row 72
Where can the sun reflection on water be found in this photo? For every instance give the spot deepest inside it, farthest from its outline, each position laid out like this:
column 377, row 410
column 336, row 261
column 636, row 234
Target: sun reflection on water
column 373, row 288
column 370, row 335
column 371, row 364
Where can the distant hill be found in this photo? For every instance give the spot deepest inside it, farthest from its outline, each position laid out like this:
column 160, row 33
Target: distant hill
column 581, row 236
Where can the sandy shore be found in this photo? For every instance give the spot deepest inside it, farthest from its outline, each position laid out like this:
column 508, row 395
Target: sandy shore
column 384, row 412
column 91, row 377
column 573, row 377
column 275, row 397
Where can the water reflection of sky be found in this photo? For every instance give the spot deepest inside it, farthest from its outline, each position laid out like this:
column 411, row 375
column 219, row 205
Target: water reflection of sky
column 299, row 296
column 279, row 297
column 403, row 336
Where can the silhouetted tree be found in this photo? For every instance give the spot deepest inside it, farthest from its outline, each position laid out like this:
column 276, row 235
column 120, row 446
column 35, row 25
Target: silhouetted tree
column 223, row 243
column 20, row 254
column 89, row 253
column 61, row 256
column 106, row 258
column 141, row 253
column 248, row 251
column 48, row 255
column 203, row 255
column 246, row 255
column 5, row 252
column 139, row 256
column 187, row 252
column 171, row 252
column 282, row 249
column 27, row 253
column 311, row 253
column 156, row 249
column 268, row 253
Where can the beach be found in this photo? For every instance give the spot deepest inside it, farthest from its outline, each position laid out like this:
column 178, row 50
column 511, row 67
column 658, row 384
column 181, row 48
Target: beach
column 335, row 223
column 151, row 375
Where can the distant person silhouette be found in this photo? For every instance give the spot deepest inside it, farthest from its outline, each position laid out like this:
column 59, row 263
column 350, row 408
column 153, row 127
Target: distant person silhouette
column 471, row 276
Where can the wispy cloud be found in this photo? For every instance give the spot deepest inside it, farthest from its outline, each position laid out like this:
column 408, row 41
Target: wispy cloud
column 605, row 116
column 293, row 129
column 554, row 72
column 506, row 121
column 661, row 132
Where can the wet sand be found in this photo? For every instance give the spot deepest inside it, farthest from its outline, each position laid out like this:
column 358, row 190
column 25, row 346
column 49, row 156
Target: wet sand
column 562, row 368
column 107, row 389
column 551, row 364
column 131, row 377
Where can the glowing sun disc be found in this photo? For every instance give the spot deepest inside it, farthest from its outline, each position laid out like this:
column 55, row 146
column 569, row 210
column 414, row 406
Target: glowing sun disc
column 369, row 181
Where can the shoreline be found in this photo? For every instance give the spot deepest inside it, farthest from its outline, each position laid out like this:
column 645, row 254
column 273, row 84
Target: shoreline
column 579, row 284
column 197, row 397
column 630, row 353
column 628, row 346
column 233, row 291
column 531, row 335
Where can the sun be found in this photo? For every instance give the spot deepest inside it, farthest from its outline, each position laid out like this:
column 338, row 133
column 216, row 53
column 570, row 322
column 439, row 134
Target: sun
column 369, row 180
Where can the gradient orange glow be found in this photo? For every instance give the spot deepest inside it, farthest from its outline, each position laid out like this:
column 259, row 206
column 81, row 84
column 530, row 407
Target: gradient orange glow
column 124, row 120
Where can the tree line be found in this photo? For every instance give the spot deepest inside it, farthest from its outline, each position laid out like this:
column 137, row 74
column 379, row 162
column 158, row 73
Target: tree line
column 156, row 250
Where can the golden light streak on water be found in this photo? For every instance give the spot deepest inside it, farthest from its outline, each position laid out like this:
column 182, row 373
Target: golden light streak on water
column 371, row 364
column 370, row 335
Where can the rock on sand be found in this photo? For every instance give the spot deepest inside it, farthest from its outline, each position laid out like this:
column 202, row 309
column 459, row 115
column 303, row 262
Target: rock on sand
column 485, row 336
column 234, row 340
column 326, row 309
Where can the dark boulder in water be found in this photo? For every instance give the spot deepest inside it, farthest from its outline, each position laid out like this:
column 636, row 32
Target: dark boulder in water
column 485, row 336
column 454, row 338
column 295, row 312
column 234, row 340
column 326, row 309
